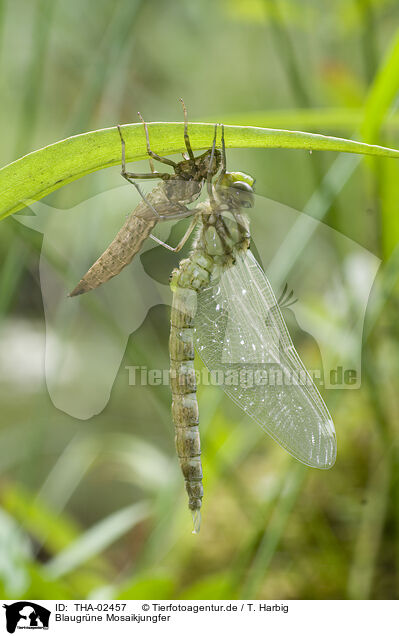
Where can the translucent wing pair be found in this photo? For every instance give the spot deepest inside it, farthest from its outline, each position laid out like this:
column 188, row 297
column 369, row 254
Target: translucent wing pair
column 240, row 333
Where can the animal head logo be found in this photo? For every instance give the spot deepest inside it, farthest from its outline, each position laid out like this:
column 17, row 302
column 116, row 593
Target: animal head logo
column 26, row 615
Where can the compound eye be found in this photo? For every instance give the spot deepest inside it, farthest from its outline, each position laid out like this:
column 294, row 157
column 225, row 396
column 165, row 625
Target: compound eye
column 245, row 194
column 241, row 185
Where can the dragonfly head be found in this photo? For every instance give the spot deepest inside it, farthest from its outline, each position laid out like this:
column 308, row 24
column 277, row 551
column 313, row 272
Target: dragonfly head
column 240, row 188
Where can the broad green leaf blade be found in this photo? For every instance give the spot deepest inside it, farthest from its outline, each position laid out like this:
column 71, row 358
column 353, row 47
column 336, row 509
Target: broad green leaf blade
column 34, row 176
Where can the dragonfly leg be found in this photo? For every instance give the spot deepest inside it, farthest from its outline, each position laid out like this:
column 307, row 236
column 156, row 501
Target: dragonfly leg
column 138, row 175
column 182, row 241
column 282, row 295
column 136, row 185
column 223, row 162
column 286, row 299
column 221, row 227
column 221, row 223
column 209, row 185
column 186, row 137
column 185, row 211
column 152, row 154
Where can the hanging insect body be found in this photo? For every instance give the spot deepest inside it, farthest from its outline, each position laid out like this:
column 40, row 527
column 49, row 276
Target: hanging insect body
column 224, row 307
column 167, row 201
column 213, row 250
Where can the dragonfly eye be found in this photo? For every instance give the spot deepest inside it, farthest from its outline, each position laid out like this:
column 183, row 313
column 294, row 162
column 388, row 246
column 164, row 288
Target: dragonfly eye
column 241, row 185
column 245, row 194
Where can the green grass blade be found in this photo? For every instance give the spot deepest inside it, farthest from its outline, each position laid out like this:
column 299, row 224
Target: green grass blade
column 49, row 529
column 15, row 552
column 378, row 106
column 371, row 526
column 274, row 531
column 103, row 61
column 382, row 93
column 43, row 171
column 283, row 42
column 96, row 539
column 32, row 89
column 311, row 119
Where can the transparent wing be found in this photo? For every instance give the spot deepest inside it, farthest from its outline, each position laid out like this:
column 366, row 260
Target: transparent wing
column 241, row 335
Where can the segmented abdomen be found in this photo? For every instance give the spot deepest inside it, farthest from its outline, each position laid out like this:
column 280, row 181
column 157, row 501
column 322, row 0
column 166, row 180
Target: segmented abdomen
column 186, row 281
column 136, row 229
column 120, row 253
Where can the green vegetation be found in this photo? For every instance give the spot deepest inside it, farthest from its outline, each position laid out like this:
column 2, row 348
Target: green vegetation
column 41, row 172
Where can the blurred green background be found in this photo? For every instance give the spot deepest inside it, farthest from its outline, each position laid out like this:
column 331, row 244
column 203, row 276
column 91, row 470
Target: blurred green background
column 96, row 508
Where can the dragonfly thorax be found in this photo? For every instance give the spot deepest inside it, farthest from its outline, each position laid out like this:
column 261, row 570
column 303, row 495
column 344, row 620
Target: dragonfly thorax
column 222, row 235
column 199, row 168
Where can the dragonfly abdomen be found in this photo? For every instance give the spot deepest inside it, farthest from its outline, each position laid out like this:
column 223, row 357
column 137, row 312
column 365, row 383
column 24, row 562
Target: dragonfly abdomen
column 190, row 277
column 120, row 253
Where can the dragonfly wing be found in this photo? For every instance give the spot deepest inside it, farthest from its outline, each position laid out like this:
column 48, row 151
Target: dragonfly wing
column 240, row 333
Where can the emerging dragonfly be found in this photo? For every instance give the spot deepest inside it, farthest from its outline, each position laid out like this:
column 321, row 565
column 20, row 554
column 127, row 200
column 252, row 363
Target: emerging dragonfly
column 224, row 307
column 166, row 201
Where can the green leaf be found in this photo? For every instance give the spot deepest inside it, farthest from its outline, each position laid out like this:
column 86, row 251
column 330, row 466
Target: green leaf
column 50, row 529
column 274, row 531
column 43, row 171
column 378, row 106
column 15, row 552
column 382, row 93
column 96, row 539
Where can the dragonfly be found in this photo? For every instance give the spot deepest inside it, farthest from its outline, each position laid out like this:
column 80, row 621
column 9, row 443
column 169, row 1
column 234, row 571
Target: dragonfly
column 168, row 200
column 224, row 308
